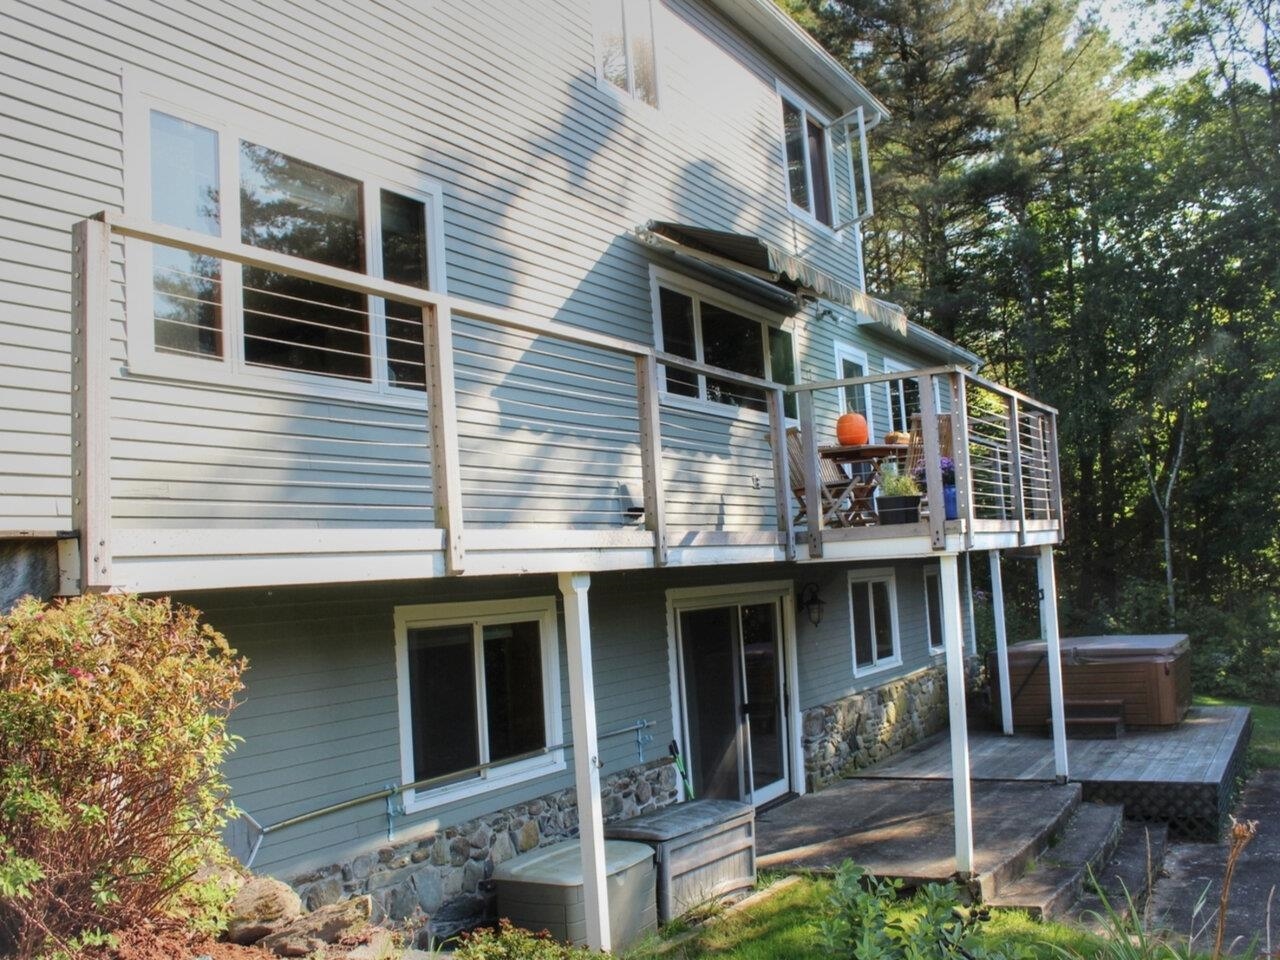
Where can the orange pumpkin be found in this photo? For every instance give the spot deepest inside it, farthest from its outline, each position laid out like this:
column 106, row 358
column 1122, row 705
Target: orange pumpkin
column 851, row 429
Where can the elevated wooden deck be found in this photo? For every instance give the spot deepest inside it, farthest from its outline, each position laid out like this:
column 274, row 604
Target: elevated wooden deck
column 1185, row 776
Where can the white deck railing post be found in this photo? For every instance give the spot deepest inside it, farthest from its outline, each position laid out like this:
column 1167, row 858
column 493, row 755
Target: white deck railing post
column 932, row 463
column 812, row 490
column 1002, row 643
column 781, row 472
column 1015, row 469
column 442, row 412
column 655, row 504
column 1053, row 651
column 960, row 454
column 953, row 642
column 586, row 759
column 90, row 385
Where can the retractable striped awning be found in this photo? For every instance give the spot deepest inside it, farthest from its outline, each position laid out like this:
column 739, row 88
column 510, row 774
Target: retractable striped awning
column 758, row 258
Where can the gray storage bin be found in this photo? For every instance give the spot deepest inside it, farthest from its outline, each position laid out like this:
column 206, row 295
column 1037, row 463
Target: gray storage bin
column 542, row 890
column 705, row 849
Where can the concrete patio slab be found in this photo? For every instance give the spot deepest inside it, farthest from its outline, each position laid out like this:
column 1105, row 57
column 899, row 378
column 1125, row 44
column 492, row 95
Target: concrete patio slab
column 905, row 828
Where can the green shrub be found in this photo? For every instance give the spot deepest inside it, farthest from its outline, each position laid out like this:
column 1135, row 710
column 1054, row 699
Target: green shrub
column 510, row 942
column 112, row 731
column 857, row 924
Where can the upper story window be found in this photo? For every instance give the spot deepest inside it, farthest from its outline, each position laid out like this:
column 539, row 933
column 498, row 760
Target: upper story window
column 699, row 325
column 479, row 693
column 291, row 197
column 808, row 162
column 850, row 363
column 828, row 172
column 625, row 48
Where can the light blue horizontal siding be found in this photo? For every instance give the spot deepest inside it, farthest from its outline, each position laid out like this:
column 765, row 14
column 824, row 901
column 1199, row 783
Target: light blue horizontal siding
column 544, row 177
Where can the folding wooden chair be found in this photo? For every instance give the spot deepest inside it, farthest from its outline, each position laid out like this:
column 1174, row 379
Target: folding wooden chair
column 845, row 500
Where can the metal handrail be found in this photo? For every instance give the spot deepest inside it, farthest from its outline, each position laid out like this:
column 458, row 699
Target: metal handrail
column 392, row 790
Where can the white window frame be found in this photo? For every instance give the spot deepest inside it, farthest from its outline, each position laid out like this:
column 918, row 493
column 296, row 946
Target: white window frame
column 807, row 112
column 479, row 615
column 677, row 283
column 936, row 644
column 608, row 86
column 847, row 351
column 895, row 398
column 887, row 576
column 232, row 123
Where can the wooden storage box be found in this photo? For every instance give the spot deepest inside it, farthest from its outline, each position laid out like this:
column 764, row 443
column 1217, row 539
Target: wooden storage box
column 705, row 849
column 542, row 890
column 1149, row 674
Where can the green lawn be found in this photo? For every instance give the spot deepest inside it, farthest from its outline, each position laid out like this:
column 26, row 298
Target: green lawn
column 1264, row 747
column 785, row 927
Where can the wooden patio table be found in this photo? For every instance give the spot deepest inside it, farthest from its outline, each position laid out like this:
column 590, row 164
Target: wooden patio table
column 875, row 454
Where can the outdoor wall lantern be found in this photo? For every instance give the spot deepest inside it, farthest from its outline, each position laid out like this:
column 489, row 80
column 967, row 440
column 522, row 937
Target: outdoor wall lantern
column 811, row 602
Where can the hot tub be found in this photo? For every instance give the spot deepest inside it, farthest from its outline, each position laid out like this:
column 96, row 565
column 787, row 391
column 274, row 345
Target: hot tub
column 1150, row 675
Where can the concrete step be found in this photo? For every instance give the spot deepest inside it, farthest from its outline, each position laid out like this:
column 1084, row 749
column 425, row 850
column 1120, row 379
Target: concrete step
column 1128, row 877
column 1056, row 812
column 1057, row 879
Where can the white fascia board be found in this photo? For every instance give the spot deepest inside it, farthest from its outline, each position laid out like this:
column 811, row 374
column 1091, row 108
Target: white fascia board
column 781, row 36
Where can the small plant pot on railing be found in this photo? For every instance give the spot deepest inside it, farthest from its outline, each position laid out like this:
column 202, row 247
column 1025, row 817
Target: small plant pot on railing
column 904, row 509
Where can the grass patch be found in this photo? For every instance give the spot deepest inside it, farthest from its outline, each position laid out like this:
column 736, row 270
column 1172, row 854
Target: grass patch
column 785, row 927
column 1264, row 746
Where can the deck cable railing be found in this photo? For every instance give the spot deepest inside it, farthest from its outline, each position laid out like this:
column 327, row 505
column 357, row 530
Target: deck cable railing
column 996, row 447
column 453, row 422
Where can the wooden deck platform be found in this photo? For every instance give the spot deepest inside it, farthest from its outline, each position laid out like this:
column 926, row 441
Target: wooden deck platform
column 1185, row 776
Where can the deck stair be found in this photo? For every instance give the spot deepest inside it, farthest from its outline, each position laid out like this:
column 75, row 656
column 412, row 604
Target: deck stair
column 1092, row 719
column 1057, row 878
column 1128, row 877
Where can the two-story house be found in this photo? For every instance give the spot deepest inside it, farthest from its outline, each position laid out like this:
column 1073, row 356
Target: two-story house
column 470, row 366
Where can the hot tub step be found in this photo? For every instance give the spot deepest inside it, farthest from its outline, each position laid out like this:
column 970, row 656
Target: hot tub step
column 1091, row 728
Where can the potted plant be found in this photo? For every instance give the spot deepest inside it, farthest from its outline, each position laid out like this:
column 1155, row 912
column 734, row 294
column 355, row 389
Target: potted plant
column 899, row 498
column 948, row 469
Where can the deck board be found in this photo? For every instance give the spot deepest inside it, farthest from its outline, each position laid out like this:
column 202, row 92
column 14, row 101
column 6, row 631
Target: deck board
column 1182, row 774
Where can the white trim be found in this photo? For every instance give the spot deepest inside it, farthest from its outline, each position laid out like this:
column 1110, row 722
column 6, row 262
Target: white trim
column 807, row 110
column 662, row 278
column 936, row 644
column 782, row 592
column 847, row 351
column 478, row 615
column 233, row 122
column 887, row 576
column 629, row 95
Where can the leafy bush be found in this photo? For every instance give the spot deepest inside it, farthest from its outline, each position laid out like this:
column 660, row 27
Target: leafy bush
column 510, row 942
column 112, row 730
column 857, row 925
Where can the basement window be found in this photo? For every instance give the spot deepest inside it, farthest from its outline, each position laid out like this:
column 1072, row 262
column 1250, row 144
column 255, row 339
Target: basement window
column 479, row 696
column 873, row 618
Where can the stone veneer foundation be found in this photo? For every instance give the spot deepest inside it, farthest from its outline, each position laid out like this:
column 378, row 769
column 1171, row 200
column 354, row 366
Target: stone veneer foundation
column 867, row 726
column 441, row 875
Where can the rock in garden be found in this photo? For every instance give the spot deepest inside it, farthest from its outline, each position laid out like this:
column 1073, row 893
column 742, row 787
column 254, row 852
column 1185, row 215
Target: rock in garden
column 261, row 907
column 319, row 929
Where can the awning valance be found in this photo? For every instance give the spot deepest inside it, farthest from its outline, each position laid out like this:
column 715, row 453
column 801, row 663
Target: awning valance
column 758, row 258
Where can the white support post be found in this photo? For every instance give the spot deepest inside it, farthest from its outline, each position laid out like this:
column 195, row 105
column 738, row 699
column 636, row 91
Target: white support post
column 1002, row 643
column 586, row 759
column 952, row 639
column 1053, row 651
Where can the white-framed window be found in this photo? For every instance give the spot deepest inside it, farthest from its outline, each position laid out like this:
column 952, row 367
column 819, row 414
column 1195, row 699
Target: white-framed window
column 827, row 167
column 873, row 618
column 902, row 396
column 236, row 176
column 626, row 59
column 479, row 696
column 700, row 323
column 933, row 610
column 852, row 362
column 808, row 158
